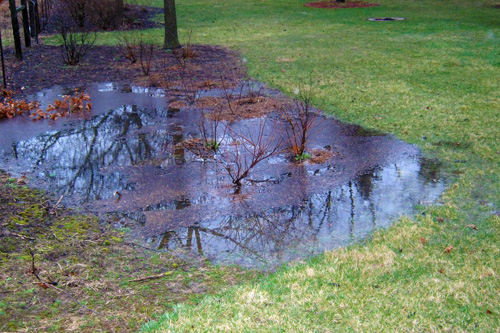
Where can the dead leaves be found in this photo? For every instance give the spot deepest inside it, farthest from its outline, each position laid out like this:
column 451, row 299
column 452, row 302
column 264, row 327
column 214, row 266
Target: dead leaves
column 448, row 249
column 68, row 105
column 10, row 108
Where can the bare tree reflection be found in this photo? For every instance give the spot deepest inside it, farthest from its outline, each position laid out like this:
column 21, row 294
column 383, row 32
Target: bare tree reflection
column 74, row 160
column 321, row 221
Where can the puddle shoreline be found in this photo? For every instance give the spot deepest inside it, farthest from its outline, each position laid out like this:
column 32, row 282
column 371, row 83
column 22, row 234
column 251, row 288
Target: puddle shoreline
column 128, row 160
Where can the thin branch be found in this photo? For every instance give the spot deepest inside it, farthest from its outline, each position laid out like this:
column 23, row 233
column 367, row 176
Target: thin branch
column 152, row 277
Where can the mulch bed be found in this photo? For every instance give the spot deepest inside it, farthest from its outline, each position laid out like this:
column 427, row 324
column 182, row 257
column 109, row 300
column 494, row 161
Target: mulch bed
column 43, row 68
column 340, row 5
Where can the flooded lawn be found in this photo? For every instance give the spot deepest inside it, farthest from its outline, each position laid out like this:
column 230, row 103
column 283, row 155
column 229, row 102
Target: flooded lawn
column 138, row 162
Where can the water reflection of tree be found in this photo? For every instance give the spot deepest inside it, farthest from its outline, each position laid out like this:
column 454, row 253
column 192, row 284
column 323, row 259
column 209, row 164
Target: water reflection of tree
column 272, row 234
column 318, row 222
column 75, row 158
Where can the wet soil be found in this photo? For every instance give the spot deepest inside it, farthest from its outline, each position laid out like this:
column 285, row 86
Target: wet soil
column 331, row 4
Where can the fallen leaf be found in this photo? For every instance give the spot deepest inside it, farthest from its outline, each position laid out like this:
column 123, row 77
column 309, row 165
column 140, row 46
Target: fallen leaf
column 441, row 270
column 448, row 249
column 440, row 219
column 488, row 312
column 472, row 226
column 422, row 240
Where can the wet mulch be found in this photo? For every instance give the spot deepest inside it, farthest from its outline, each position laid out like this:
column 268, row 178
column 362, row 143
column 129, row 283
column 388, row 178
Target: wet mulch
column 340, row 5
column 43, row 68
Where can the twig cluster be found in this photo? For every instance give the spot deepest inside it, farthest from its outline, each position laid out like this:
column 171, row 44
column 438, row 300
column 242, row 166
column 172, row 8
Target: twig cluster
column 246, row 151
column 300, row 121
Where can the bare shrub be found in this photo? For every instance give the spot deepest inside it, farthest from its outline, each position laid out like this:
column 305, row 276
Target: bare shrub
column 300, row 123
column 211, row 126
column 146, row 52
column 253, row 93
column 245, row 92
column 77, row 10
column 128, row 48
column 230, row 93
column 102, row 14
column 187, row 51
column 75, row 44
column 183, row 79
column 247, row 151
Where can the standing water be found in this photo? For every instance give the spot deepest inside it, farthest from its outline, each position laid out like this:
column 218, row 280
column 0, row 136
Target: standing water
column 128, row 160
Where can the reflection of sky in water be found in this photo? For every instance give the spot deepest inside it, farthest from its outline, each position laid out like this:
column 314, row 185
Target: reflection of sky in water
column 326, row 220
column 172, row 198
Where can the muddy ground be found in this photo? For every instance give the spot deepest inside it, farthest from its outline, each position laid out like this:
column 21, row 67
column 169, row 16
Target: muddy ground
column 43, row 68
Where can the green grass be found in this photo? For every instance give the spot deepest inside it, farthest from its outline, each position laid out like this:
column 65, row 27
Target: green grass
column 432, row 80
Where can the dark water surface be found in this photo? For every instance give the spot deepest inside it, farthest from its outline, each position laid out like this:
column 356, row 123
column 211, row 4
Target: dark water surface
column 174, row 199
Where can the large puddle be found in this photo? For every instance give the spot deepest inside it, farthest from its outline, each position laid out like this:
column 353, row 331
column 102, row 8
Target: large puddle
column 126, row 160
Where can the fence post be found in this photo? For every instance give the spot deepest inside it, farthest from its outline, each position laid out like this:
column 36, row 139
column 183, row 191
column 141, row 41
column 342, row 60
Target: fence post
column 15, row 29
column 34, row 19
column 26, row 23
column 3, row 64
column 31, row 14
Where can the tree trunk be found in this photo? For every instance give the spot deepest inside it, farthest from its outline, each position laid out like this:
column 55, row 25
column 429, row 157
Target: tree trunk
column 171, row 39
column 120, row 9
column 15, row 29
